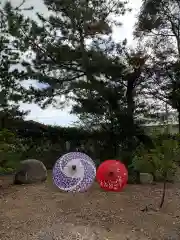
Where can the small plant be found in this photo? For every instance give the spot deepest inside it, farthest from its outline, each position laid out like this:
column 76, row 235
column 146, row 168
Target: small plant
column 160, row 161
column 10, row 151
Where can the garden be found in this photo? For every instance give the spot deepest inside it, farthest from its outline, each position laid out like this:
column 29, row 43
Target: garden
column 148, row 210
column 69, row 58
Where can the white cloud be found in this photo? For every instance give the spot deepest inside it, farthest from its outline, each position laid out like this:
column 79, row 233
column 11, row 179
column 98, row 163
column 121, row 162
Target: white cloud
column 56, row 116
column 128, row 21
column 49, row 116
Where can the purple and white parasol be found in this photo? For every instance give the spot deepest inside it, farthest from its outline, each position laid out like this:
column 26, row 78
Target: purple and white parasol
column 74, row 172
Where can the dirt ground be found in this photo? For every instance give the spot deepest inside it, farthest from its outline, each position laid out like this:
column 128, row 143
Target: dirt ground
column 42, row 212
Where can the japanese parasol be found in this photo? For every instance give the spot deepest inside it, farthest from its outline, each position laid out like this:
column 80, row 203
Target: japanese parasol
column 74, row 172
column 112, row 175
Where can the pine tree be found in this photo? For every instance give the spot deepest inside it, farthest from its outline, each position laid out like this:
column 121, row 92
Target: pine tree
column 11, row 89
column 60, row 43
column 158, row 25
column 116, row 103
column 97, row 78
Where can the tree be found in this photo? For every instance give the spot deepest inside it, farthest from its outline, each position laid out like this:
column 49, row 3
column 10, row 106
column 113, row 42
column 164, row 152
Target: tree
column 161, row 161
column 11, row 88
column 114, row 105
column 66, row 65
column 158, row 24
column 103, row 109
column 60, row 44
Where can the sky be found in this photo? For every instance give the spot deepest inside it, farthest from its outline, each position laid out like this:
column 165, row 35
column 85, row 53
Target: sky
column 63, row 117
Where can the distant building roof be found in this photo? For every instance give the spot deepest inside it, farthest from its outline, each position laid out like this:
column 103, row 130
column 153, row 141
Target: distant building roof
column 162, row 119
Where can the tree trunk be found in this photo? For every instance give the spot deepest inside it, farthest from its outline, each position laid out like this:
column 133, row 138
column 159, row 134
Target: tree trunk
column 163, row 194
column 2, row 121
column 130, row 117
column 178, row 120
column 154, row 177
column 130, row 104
column 131, row 125
column 138, row 179
column 113, row 142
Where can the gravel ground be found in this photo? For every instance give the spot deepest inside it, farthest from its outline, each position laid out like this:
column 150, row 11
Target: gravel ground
column 42, row 212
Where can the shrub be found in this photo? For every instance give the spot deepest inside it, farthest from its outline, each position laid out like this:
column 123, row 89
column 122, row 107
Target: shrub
column 161, row 161
column 10, row 151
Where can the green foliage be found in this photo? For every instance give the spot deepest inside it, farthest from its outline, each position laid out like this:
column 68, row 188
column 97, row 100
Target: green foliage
column 9, row 155
column 6, row 136
column 161, row 161
column 11, row 88
column 103, row 78
column 64, row 64
column 47, row 143
column 6, row 170
column 158, row 22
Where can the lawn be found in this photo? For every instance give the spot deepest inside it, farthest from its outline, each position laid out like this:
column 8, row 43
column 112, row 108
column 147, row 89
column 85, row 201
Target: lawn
column 43, row 212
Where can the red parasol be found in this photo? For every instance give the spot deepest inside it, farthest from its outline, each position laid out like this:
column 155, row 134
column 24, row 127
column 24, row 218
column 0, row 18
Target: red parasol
column 112, row 175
